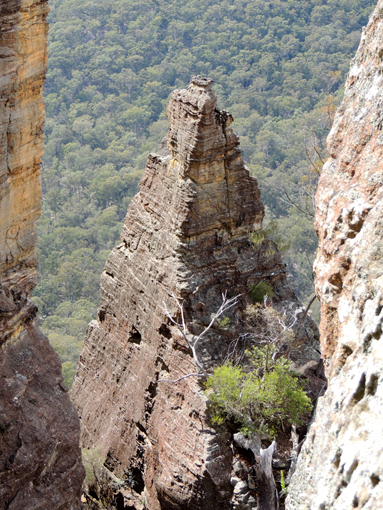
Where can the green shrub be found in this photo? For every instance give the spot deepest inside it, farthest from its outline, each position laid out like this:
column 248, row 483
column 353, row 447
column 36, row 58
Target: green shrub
column 224, row 322
column 93, row 461
column 258, row 291
column 271, row 238
column 257, row 400
column 283, row 484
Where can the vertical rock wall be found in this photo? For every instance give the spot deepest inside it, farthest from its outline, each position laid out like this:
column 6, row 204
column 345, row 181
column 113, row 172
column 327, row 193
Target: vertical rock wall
column 187, row 234
column 40, row 463
column 341, row 465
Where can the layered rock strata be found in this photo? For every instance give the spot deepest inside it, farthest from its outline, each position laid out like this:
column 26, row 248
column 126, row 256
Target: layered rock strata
column 186, row 236
column 40, row 463
column 341, row 465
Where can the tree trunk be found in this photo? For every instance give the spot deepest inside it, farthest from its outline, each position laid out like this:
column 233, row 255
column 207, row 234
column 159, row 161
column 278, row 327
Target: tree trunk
column 267, row 492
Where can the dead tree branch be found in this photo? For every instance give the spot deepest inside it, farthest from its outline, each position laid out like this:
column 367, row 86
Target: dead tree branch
column 267, row 492
column 304, row 316
column 292, row 202
column 271, row 328
column 182, row 328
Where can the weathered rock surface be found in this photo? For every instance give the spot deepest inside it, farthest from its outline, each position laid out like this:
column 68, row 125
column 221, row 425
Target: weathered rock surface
column 186, row 233
column 341, row 465
column 40, row 463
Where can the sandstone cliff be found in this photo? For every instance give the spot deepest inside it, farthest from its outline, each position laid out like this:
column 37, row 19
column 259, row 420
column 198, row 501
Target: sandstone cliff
column 186, row 233
column 40, row 464
column 341, row 465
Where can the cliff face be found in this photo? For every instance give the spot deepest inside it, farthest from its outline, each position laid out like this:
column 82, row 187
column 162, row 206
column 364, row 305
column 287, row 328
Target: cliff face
column 23, row 41
column 185, row 234
column 40, row 464
column 341, row 465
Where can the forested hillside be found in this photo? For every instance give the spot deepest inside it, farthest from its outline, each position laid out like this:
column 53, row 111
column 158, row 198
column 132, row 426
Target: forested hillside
column 279, row 67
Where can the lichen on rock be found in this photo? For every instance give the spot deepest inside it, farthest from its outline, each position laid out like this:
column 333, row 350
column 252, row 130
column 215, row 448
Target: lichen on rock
column 341, row 465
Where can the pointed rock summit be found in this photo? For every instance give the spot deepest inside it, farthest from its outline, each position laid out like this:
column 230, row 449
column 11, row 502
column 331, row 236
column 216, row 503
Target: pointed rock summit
column 186, row 235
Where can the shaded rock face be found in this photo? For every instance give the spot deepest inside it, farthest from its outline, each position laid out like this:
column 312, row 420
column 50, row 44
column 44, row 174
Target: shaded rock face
column 40, row 463
column 185, row 234
column 341, row 465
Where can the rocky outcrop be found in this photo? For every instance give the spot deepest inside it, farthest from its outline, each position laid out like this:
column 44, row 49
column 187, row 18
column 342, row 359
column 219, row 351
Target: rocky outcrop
column 341, row 465
column 40, row 463
column 186, row 237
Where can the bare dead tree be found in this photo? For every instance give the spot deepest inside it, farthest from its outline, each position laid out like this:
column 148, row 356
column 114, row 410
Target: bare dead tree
column 297, row 341
column 267, row 493
column 193, row 343
column 268, row 498
column 267, row 327
column 302, row 194
column 304, row 316
column 287, row 199
column 270, row 327
column 237, row 348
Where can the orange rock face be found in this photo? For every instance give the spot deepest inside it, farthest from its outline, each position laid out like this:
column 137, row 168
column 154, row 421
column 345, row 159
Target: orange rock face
column 341, row 465
column 23, row 46
column 40, row 463
column 186, row 234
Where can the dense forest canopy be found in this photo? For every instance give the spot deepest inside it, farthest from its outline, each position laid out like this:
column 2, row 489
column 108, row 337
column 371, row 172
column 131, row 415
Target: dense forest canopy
column 279, row 67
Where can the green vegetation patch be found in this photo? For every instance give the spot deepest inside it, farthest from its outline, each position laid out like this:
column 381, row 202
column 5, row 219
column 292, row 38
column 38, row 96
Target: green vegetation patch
column 279, row 67
column 255, row 398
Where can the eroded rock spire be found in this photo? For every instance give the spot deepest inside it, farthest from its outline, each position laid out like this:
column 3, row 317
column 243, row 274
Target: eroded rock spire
column 186, row 234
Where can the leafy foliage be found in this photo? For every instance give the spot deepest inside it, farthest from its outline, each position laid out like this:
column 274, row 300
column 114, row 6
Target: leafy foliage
column 259, row 291
column 259, row 393
column 259, row 399
column 224, row 322
column 270, row 236
column 278, row 67
column 283, row 483
column 93, row 461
